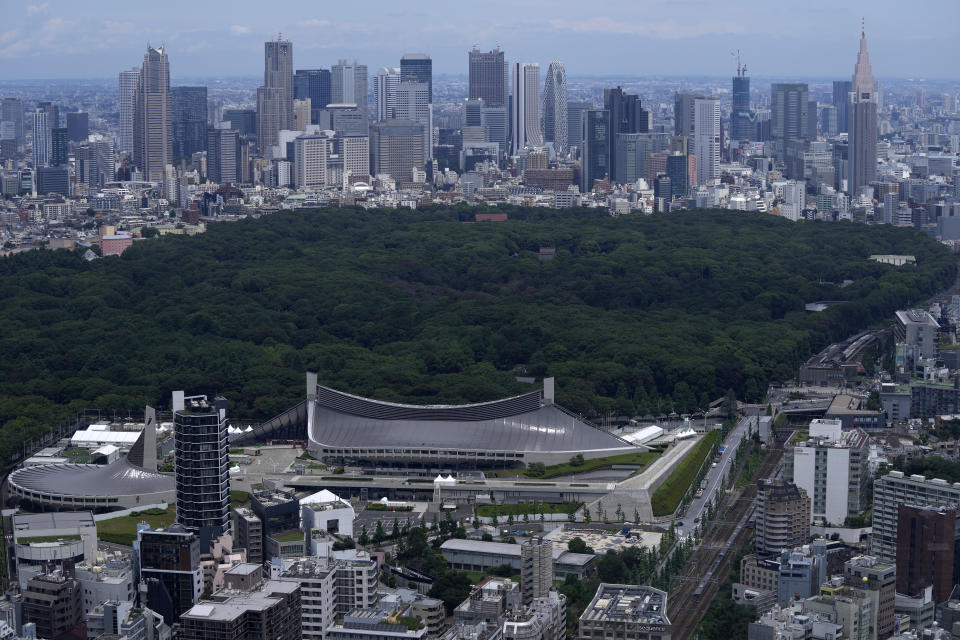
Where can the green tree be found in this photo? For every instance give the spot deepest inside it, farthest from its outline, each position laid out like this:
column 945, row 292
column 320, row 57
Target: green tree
column 379, row 535
column 364, row 539
column 577, row 545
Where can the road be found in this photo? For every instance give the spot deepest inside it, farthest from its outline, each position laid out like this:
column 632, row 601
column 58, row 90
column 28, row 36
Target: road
column 694, row 588
column 715, row 477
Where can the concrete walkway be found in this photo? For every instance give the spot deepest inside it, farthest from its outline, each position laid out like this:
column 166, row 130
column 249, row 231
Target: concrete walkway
column 633, row 494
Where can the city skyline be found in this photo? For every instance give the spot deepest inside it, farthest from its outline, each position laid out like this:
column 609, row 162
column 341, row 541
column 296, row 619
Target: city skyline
column 57, row 40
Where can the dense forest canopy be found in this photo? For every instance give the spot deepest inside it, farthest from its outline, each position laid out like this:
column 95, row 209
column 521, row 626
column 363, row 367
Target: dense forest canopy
column 634, row 314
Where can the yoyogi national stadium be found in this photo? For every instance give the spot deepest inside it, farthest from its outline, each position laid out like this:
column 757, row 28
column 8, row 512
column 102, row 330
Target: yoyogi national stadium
column 515, row 431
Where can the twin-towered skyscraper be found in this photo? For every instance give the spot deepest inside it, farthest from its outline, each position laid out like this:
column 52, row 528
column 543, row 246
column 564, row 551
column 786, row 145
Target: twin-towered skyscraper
column 275, row 97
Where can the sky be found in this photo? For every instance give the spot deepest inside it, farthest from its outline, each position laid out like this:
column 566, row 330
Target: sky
column 42, row 39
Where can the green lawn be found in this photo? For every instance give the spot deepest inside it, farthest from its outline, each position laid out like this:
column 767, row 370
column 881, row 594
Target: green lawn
column 123, row 530
column 503, row 510
column 642, row 458
column 289, row 536
column 239, row 498
column 669, row 494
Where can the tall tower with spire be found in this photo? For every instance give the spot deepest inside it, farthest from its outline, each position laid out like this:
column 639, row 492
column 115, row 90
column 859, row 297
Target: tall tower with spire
column 863, row 125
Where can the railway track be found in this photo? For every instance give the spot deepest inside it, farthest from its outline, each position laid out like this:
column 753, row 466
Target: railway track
column 693, row 589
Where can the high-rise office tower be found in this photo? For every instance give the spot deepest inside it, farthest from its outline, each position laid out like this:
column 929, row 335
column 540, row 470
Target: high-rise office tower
column 683, row 113
column 310, row 163
column 53, row 113
column 275, row 97
column 189, row 120
column 41, row 139
column 706, row 138
column 928, row 550
column 301, row 114
column 575, row 109
column 595, row 154
column 12, row 111
column 398, row 148
column 626, row 116
column 555, row 125
column 223, row 156
column 59, row 146
column 201, row 466
column 841, row 100
column 678, row 168
column 278, row 73
column 243, row 120
column 419, row 68
column 863, row 123
column 348, row 84
column 78, row 126
column 170, row 570
column 413, row 103
column 788, row 105
column 94, row 162
column 489, row 77
column 385, row 92
column 153, row 117
column 741, row 120
column 128, row 107
column 525, row 106
column 313, row 84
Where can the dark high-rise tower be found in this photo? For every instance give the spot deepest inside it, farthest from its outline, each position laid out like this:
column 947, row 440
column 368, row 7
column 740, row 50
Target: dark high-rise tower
column 201, row 466
column 189, row 120
column 78, row 126
column 419, row 68
column 315, row 85
column 626, row 116
column 841, row 100
column 59, row 146
column 489, row 77
column 683, row 105
column 863, row 123
column 595, row 156
column 153, row 121
column 741, row 120
column 788, row 114
column 12, row 111
column 224, row 155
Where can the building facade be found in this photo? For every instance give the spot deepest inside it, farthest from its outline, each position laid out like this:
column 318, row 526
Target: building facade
column 831, row 467
column 489, row 77
column 536, row 568
column 863, row 124
column 201, row 465
column 153, row 118
column 555, row 124
column 189, row 120
column 782, row 516
column 348, row 84
column 706, row 139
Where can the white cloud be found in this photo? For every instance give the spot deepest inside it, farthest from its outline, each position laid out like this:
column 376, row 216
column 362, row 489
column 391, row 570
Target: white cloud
column 115, row 27
column 667, row 30
column 313, row 22
column 37, row 8
column 239, row 30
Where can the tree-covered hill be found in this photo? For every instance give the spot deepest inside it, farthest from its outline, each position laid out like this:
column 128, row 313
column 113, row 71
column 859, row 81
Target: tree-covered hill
column 634, row 314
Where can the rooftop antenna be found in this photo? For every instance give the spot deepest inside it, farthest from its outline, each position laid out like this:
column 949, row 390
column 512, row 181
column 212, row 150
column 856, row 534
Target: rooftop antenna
column 863, row 27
